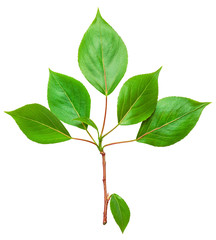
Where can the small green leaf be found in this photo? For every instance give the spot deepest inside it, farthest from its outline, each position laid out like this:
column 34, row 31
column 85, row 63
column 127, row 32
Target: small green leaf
column 138, row 98
column 68, row 99
column 102, row 56
column 120, row 211
column 87, row 121
column 39, row 124
column 172, row 120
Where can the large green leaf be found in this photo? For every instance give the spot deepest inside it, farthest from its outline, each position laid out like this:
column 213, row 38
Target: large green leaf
column 120, row 211
column 172, row 120
column 102, row 56
column 68, row 99
column 39, row 124
column 138, row 98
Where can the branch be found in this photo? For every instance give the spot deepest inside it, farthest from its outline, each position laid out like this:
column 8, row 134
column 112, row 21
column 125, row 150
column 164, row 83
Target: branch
column 84, row 140
column 105, row 113
column 128, row 141
column 119, row 142
column 111, row 130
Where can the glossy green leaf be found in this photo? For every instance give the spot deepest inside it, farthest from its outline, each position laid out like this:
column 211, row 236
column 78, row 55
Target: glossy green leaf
column 87, row 121
column 39, row 124
column 172, row 120
column 120, row 211
column 138, row 98
column 102, row 56
column 68, row 99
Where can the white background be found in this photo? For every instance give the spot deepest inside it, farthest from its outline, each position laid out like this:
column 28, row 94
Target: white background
column 54, row 192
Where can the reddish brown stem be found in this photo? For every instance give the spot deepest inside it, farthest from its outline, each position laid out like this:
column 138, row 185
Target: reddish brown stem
column 110, row 131
column 106, row 195
column 105, row 113
column 133, row 139
column 84, row 140
column 120, row 142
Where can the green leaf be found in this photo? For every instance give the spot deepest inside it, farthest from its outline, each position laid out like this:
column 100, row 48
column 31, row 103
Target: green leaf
column 87, row 121
column 68, row 99
column 120, row 211
column 39, row 124
column 102, row 56
column 172, row 120
column 138, row 98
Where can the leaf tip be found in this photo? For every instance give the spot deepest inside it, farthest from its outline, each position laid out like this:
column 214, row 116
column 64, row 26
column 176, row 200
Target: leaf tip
column 98, row 13
column 159, row 69
column 206, row 103
column 122, row 229
column 7, row 112
column 10, row 113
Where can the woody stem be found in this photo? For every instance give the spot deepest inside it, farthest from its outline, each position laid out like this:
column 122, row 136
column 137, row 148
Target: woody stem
column 106, row 195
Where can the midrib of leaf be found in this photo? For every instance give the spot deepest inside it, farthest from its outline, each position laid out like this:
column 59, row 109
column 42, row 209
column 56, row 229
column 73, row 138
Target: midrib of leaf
column 66, row 96
column 174, row 120
column 44, row 125
column 48, row 118
column 136, row 100
column 102, row 54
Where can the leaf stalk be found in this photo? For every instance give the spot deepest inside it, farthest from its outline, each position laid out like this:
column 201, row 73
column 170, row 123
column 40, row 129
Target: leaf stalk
column 111, row 130
column 84, row 140
column 105, row 113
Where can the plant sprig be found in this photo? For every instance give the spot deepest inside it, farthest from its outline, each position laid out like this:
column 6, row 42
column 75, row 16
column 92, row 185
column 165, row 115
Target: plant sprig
column 103, row 60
